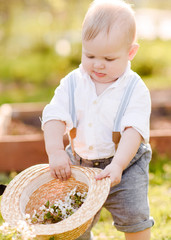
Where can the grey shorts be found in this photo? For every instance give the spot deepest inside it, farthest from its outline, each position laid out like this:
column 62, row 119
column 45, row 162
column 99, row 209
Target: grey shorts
column 127, row 201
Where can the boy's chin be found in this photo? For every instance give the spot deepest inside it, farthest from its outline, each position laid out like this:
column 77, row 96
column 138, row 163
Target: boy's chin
column 102, row 80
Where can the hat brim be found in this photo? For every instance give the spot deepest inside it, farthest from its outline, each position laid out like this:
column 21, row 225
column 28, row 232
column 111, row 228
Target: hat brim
column 23, row 188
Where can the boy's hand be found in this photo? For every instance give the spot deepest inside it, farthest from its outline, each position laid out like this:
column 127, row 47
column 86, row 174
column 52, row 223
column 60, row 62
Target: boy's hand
column 59, row 163
column 114, row 171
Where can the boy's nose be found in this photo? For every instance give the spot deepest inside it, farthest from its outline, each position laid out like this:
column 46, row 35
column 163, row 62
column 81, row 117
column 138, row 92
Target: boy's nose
column 98, row 64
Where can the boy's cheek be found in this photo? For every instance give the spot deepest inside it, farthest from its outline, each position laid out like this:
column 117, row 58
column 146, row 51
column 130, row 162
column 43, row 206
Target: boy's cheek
column 86, row 64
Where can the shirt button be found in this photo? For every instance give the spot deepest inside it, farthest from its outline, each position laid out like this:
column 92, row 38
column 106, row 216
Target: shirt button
column 90, row 148
column 95, row 102
column 90, row 124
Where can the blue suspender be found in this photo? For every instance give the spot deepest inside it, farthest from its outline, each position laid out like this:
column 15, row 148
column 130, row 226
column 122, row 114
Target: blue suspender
column 116, row 135
column 71, row 87
column 124, row 103
column 121, row 109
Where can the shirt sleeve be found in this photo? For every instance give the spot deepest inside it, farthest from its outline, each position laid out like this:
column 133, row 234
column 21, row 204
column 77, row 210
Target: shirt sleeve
column 58, row 108
column 138, row 112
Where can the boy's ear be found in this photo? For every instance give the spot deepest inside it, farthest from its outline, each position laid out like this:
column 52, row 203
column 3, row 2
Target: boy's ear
column 133, row 50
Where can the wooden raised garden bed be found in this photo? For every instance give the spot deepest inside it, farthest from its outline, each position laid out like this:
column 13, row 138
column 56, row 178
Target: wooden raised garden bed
column 161, row 128
column 21, row 137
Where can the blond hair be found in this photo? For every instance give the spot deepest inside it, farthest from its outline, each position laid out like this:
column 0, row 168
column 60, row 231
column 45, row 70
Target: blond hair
column 103, row 15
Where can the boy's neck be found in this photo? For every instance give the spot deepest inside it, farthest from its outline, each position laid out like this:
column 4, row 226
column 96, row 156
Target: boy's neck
column 101, row 87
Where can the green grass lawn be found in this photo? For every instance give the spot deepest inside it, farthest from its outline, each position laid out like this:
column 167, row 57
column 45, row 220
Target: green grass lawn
column 159, row 198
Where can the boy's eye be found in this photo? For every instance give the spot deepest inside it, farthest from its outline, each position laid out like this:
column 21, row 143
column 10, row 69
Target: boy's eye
column 89, row 56
column 109, row 59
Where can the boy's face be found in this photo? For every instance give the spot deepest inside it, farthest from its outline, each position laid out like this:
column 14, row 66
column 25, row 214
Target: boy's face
column 105, row 57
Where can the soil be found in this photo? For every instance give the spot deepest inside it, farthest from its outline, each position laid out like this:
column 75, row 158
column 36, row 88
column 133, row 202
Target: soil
column 160, row 123
column 18, row 127
column 161, row 97
column 161, row 109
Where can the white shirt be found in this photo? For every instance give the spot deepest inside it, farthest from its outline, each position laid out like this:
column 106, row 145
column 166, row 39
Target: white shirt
column 96, row 114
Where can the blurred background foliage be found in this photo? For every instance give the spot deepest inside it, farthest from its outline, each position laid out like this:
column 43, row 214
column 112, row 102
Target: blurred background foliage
column 40, row 42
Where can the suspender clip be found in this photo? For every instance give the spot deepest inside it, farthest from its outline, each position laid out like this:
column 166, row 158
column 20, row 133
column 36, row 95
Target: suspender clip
column 72, row 136
column 116, row 136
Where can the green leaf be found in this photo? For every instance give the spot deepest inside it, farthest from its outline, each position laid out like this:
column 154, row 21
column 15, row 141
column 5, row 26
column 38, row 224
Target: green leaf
column 47, row 204
column 48, row 215
column 52, row 238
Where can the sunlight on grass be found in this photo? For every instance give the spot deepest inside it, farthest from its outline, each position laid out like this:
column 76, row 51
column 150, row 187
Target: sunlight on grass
column 157, row 82
column 160, row 199
column 104, row 229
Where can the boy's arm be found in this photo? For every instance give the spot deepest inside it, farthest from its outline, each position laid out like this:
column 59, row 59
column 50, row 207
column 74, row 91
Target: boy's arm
column 59, row 161
column 127, row 148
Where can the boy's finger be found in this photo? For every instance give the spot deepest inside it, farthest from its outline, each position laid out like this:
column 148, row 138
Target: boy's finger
column 53, row 173
column 68, row 171
column 63, row 174
column 102, row 175
column 58, row 174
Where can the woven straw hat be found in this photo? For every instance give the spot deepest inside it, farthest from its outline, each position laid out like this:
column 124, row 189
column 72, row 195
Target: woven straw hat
column 32, row 188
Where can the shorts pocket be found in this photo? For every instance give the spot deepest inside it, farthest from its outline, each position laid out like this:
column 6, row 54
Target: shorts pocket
column 143, row 162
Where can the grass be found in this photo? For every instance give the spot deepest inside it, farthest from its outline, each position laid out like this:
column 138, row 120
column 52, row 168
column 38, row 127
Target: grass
column 152, row 63
column 159, row 198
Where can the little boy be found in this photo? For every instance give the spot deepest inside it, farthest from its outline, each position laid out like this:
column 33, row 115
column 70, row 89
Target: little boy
column 105, row 107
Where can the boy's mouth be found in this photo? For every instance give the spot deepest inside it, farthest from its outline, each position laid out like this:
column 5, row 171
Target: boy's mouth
column 99, row 74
